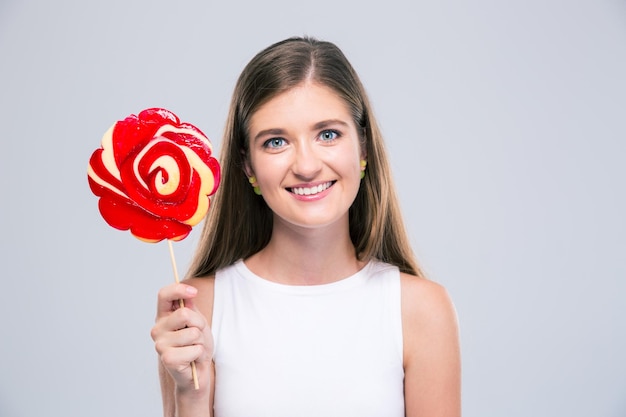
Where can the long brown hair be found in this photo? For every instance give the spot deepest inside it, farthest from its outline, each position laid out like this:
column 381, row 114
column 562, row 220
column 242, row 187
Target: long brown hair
column 239, row 223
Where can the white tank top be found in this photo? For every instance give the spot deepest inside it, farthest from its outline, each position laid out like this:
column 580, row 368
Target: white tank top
column 297, row 351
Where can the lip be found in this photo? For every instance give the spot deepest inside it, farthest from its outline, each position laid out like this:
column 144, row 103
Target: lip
column 305, row 194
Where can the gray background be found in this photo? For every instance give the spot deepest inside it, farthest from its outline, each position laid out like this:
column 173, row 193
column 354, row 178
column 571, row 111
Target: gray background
column 506, row 126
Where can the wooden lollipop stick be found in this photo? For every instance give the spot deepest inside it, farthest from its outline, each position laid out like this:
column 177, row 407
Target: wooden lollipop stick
column 194, row 373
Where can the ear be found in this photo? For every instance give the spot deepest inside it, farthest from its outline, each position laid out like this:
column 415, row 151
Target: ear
column 247, row 168
column 248, row 171
column 363, row 144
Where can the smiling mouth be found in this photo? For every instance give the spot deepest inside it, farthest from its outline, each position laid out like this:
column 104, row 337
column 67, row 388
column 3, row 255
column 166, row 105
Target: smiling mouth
column 311, row 190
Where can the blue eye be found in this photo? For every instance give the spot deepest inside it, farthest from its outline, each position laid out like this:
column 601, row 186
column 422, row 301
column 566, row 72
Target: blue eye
column 329, row 135
column 274, row 143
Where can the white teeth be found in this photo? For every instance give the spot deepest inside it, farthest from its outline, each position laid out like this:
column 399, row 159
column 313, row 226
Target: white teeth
column 311, row 190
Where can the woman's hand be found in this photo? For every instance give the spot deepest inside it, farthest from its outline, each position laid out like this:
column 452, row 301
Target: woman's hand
column 181, row 336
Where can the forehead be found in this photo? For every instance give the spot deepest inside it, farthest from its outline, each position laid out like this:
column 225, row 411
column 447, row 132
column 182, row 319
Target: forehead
column 304, row 105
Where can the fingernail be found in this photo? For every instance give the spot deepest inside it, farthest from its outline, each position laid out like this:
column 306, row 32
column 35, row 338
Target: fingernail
column 191, row 290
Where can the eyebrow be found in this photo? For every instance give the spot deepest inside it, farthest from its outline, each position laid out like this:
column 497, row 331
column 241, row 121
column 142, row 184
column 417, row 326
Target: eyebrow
column 317, row 126
column 268, row 132
column 326, row 123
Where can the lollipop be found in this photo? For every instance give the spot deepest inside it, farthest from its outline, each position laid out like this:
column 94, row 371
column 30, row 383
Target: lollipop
column 154, row 176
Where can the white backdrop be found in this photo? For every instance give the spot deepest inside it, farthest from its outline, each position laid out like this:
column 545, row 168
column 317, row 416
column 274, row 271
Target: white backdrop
column 506, row 124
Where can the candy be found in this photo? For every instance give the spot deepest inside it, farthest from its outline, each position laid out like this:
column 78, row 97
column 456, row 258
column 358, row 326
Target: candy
column 154, row 175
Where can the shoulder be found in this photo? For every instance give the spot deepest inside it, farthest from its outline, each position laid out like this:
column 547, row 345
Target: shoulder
column 427, row 311
column 431, row 348
column 425, row 302
column 206, row 289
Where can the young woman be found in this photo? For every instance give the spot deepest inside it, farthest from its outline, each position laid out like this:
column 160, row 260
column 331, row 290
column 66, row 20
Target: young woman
column 304, row 297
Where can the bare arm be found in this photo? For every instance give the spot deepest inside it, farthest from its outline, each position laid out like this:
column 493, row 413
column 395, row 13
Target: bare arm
column 182, row 336
column 431, row 350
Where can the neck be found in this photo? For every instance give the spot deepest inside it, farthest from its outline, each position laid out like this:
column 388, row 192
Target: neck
column 306, row 256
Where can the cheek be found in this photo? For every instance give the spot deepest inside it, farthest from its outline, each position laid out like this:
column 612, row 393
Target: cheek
column 268, row 170
column 352, row 162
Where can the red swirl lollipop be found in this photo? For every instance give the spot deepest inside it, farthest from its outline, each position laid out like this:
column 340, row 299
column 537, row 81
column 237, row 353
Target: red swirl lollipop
column 154, row 176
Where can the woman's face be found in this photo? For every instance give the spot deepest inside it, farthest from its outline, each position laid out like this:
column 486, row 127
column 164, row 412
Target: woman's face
column 305, row 153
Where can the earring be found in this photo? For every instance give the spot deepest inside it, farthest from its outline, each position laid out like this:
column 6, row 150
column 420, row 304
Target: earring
column 252, row 181
column 363, row 165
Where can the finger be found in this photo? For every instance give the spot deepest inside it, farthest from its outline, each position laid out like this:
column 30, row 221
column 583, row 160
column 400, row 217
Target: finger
column 179, row 359
column 187, row 337
column 177, row 320
column 169, row 296
column 180, row 338
column 192, row 317
column 186, row 317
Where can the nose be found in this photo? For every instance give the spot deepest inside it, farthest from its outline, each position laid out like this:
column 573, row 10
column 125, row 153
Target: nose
column 307, row 163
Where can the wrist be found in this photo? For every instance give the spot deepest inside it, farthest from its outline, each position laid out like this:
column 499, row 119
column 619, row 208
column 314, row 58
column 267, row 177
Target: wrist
column 191, row 402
